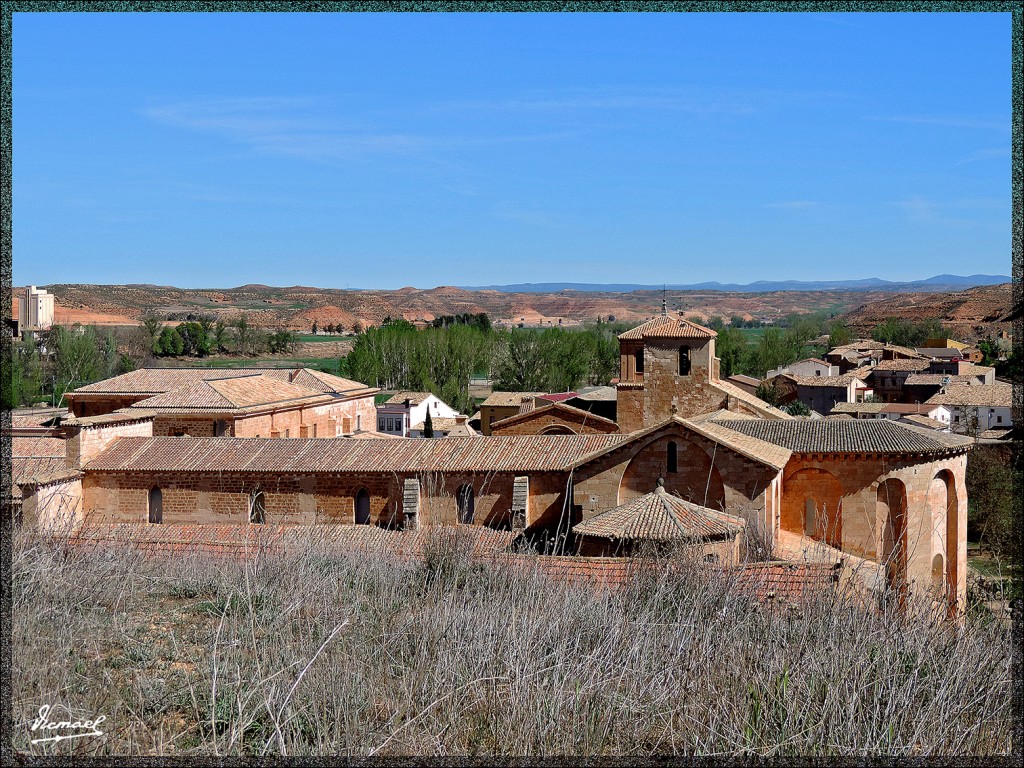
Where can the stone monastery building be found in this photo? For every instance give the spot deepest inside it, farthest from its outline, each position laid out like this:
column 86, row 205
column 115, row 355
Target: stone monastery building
column 876, row 493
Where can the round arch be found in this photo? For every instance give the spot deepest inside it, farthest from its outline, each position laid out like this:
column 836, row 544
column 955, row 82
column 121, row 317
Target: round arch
column 362, row 507
column 466, row 502
column 812, row 500
column 695, row 478
column 556, row 429
column 891, row 511
column 943, row 505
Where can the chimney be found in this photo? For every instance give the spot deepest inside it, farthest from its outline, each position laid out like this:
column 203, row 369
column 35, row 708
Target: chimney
column 461, row 419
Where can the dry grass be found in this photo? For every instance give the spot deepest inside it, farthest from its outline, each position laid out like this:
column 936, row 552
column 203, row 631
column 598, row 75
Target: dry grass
column 328, row 652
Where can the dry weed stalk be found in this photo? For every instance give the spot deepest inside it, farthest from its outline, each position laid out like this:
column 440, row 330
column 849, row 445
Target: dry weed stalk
column 330, row 650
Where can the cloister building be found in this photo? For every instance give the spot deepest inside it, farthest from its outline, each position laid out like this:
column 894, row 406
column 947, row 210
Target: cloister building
column 887, row 496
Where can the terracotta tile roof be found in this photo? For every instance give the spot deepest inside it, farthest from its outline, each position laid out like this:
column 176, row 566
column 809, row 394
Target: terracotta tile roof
column 752, row 447
column 858, row 407
column 558, row 397
column 597, row 394
column 756, row 403
column 509, row 398
column 668, row 327
column 402, row 545
column 785, row 583
column 660, row 516
column 831, row 381
column 120, row 416
column 22, row 418
column 446, row 424
column 25, row 468
column 38, row 446
column 318, row 381
column 848, row 436
column 937, row 379
column 742, row 378
column 995, row 395
column 536, row 453
column 231, row 395
column 555, row 408
column 816, row 360
column 903, row 365
column 925, row 421
column 57, row 475
column 414, row 398
column 153, row 381
column 757, row 450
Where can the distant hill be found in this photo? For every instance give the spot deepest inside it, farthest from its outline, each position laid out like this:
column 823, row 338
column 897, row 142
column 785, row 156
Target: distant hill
column 935, row 284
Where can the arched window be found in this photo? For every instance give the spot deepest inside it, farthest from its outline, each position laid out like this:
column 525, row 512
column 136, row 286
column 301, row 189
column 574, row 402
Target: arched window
column 938, row 574
column 156, row 506
column 673, row 462
column 363, row 507
column 640, row 360
column 464, row 499
column 257, row 508
column 684, row 361
column 810, row 519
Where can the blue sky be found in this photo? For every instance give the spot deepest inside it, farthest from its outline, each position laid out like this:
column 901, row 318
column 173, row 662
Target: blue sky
column 384, row 150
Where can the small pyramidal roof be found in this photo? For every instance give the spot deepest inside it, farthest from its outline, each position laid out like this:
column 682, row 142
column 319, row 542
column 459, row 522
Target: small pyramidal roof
column 667, row 326
column 660, row 516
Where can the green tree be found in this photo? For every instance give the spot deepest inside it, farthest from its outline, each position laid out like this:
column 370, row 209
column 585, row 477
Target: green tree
column 77, row 359
column 26, row 381
column 194, row 339
column 839, row 335
column 152, row 325
column 797, row 408
column 428, row 425
column 170, row 342
column 732, row 349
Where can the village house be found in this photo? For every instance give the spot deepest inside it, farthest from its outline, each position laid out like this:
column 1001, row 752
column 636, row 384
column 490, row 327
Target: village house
column 822, row 393
column 978, row 408
column 886, row 498
column 501, row 405
column 252, row 402
column 811, row 366
column 404, row 413
column 895, row 411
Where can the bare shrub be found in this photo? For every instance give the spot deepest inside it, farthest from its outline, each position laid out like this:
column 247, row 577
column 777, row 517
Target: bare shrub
column 328, row 650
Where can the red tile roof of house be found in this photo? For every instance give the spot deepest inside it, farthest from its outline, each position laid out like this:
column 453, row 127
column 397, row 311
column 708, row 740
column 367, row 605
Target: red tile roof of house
column 668, row 327
column 38, row 446
column 535, row 453
column 242, row 393
column 153, row 381
column 660, row 516
column 579, row 415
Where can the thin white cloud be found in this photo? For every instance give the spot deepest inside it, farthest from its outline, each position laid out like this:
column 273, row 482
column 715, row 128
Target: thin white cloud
column 794, row 205
column 298, row 127
column 697, row 101
column 949, row 121
column 986, row 154
column 921, row 209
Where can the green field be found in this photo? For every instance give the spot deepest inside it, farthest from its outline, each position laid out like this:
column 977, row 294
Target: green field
column 317, row 338
column 326, row 364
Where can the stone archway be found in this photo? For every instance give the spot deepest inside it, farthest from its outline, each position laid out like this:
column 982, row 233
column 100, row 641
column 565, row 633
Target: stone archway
column 943, row 504
column 812, row 501
column 891, row 510
column 557, row 429
column 695, row 478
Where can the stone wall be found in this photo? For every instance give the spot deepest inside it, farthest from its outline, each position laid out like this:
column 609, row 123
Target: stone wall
column 85, row 442
column 556, row 422
column 935, row 509
column 54, row 508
